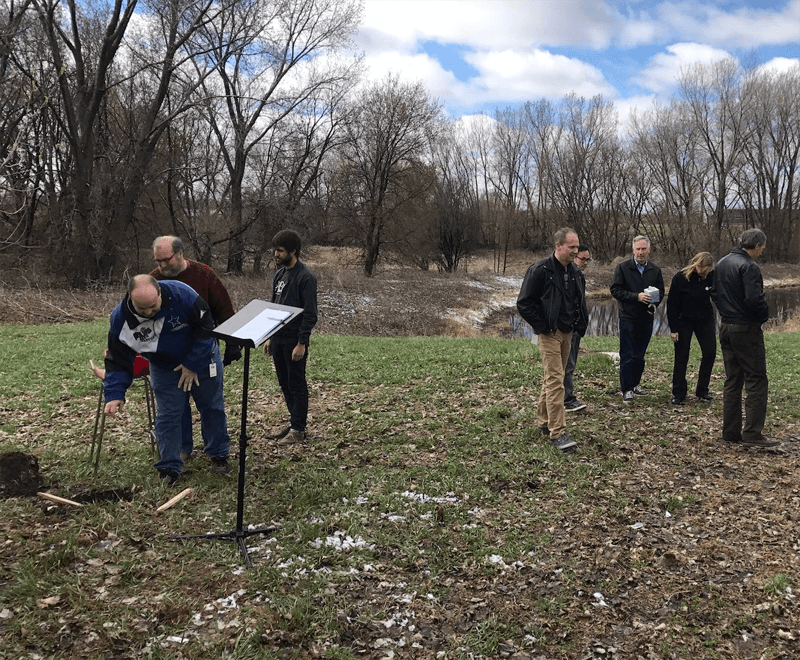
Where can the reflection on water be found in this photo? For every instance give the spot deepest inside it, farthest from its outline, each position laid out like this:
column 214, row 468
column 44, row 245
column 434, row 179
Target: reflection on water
column 604, row 315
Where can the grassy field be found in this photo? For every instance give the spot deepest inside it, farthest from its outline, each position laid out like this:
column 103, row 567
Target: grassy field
column 424, row 517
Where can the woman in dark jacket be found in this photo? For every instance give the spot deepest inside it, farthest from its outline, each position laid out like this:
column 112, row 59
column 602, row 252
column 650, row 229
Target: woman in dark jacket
column 689, row 310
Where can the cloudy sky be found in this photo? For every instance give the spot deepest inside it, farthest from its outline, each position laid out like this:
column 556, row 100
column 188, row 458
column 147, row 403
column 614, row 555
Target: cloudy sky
column 478, row 55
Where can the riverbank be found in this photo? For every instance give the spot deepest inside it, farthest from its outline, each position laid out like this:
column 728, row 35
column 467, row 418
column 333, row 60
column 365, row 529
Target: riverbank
column 396, row 301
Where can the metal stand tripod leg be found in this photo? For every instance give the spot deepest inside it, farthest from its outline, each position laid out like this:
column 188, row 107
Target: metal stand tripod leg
column 239, row 534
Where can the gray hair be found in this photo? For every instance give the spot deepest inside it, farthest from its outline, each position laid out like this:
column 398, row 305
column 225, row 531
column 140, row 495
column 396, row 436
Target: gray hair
column 751, row 238
column 560, row 237
column 640, row 237
column 177, row 243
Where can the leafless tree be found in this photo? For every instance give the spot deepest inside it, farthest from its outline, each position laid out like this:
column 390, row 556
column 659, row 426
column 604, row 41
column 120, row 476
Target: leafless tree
column 666, row 145
column 455, row 203
column 768, row 178
column 718, row 109
column 389, row 139
column 268, row 61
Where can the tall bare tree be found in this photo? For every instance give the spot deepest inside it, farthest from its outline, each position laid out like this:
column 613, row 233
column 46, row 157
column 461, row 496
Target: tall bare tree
column 267, row 57
column 389, row 138
column 718, row 109
column 768, row 178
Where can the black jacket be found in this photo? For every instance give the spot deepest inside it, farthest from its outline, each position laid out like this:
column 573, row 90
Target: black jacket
column 628, row 283
column 542, row 292
column 739, row 289
column 300, row 291
column 689, row 299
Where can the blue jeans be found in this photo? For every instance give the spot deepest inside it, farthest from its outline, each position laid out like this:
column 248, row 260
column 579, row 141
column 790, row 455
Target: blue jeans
column 187, row 439
column 634, row 338
column 171, row 403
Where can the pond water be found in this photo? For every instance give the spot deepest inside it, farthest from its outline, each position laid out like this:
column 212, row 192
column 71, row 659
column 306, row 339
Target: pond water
column 604, row 317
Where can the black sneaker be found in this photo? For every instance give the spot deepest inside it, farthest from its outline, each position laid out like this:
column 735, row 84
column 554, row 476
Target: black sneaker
column 676, row 401
column 705, row 397
column 638, row 391
column 574, row 406
column 170, row 477
column 544, row 430
column 563, row 442
column 220, row 465
column 628, row 397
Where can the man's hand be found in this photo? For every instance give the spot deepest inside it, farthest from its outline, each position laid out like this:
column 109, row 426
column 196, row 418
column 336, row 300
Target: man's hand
column 267, row 349
column 298, row 352
column 188, row 378
column 674, row 336
column 98, row 371
column 113, row 407
column 233, row 352
column 645, row 298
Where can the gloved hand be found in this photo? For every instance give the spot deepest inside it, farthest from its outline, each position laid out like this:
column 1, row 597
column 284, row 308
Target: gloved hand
column 233, row 352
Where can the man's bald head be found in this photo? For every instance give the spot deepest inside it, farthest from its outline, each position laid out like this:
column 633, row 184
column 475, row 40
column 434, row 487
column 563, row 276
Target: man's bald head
column 145, row 295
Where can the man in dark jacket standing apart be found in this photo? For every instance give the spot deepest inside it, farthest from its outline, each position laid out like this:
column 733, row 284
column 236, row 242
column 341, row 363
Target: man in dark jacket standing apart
column 738, row 292
column 296, row 286
column 636, row 309
column 552, row 300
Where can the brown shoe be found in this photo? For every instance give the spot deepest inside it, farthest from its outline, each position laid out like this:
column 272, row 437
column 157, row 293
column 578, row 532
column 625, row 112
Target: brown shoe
column 764, row 442
column 282, row 433
column 292, row 437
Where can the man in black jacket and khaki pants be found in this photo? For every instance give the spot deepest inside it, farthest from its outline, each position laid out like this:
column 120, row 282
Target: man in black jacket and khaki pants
column 738, row 292
column 552, row 300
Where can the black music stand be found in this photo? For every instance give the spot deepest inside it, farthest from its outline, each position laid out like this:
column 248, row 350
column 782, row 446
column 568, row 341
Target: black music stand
column 250, row 327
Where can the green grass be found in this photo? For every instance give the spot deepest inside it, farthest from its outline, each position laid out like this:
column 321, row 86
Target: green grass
column 425, row 507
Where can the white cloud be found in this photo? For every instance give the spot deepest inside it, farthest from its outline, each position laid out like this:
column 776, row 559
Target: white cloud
column 516, row 76
column 482, row 24
column 503, row 77
column 746, row 27
column 780, row 65
column 662, row 72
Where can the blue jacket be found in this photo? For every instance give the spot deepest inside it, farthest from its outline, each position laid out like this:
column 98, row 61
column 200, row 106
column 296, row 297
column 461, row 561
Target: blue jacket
column 179, row 333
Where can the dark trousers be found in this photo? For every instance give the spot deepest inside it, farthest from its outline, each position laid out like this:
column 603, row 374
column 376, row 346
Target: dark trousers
column 292, row 379
column 634, row 338
column 569, row 391
column 745, row 365
column 705, row 331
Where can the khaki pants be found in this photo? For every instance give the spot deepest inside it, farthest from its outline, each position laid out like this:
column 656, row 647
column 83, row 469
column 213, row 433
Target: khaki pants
column 554, row 350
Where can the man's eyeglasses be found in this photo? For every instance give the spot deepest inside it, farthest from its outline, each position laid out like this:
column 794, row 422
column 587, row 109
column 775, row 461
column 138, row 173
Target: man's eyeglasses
column 166, row 260
column 585, row 260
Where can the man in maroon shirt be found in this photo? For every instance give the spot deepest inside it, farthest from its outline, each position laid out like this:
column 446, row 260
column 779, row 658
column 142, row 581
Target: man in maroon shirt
column 172, row 265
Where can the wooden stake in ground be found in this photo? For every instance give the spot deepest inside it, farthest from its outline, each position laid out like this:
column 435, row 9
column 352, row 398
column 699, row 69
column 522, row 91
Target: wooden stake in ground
column 60, row 500
column 174, row 500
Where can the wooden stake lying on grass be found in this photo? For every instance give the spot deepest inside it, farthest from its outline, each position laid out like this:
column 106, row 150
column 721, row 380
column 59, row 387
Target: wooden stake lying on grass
column 60, row 500
column 174, row 500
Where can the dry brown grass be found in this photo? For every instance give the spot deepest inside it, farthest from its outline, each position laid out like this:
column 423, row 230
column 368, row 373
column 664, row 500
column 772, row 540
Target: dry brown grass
column 397, row 301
